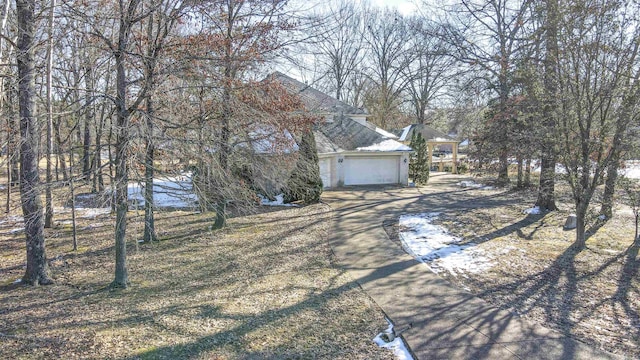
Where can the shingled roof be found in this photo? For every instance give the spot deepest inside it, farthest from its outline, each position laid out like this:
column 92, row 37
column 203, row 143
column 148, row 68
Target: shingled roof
column 428, row 133
column 315, row 100
column 345, row 134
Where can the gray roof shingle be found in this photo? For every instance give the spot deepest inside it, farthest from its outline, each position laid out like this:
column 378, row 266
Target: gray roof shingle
column 315, row 100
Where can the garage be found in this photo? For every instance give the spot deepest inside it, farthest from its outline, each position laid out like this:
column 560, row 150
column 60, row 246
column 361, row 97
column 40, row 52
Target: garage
column 325, row 171
column 365, row 170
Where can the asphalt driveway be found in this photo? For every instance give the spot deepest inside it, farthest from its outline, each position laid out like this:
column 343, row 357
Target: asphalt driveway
column 436, row 319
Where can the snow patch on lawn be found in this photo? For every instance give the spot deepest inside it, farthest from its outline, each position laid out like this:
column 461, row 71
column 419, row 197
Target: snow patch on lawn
column 16, row 231
column 560, row 169
column 631, row 170
column 396, row 345
column 532, row 211
column 11, row 219
column 474, row 185
column 437, row 248
column 279, row 201
column 168, row 192
column 93, row 213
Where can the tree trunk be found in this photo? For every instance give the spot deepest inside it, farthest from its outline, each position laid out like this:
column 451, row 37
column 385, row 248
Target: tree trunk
column 623, row 121
column 48, row 219
column 527, row 173
column 606, row 208
column 520, row 184
column 74, row 232
column 636, row 238
column 149, row 220
column 225, row 148
column 221, row 215
column 37, row 271
column 88, row 117
column 546, row 190
column 9, row 170
column 109, row 152
column 121, row 179
column 14, row 149
column 98, row 178
column 581, row 214
column 503, row 172
column 60, row 153
column 3, row 90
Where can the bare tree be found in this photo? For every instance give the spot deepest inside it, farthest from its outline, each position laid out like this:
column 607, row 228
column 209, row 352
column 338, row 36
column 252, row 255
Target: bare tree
column 429, row 66
column 230, row 57
column 48, row 220
column 546, row 190
column 599, row 47
column 386, row 37
column 37, row 272
column 340, row 48
column 487, row 36
column 4, row 96
column 162, row 19
column 625, row 117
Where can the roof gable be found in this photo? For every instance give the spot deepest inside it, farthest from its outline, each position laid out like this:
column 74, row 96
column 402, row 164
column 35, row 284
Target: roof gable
column 315, row 100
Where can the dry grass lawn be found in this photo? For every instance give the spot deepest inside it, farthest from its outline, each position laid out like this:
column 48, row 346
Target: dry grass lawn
column 592, row 295
column 265, row 287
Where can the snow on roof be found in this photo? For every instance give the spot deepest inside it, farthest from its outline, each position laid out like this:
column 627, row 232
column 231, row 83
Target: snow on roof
column 385, row 133
column 346, row 134
column 386, row 145
column 405, row 133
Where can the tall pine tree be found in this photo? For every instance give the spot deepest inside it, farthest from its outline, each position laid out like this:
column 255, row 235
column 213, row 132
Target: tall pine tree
column 419, row 162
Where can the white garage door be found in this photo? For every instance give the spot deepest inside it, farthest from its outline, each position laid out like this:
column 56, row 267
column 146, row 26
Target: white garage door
column 325, row 171
column 371, row 170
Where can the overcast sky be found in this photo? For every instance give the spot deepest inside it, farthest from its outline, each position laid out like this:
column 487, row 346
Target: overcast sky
column 405, row 7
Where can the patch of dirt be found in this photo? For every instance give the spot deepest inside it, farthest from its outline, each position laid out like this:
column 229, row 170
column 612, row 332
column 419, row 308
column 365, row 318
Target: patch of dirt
column 592, row 294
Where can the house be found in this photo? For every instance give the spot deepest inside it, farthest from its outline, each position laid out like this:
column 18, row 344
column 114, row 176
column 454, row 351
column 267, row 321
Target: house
column 441, row 148
column 351, row 151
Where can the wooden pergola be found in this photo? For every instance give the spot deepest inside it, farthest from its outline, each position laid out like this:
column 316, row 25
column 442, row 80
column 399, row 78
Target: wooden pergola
column 432, row 143
column 433, row 138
